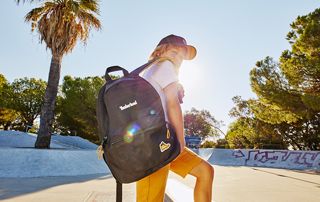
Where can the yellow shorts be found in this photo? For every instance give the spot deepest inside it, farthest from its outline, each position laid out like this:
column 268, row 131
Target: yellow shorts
column 152, row 188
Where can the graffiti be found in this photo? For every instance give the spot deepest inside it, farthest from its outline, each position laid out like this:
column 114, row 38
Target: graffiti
column 279, row 158
column 238, row 154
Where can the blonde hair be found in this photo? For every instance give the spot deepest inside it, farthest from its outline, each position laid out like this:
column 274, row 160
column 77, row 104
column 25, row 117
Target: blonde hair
column 160, row 51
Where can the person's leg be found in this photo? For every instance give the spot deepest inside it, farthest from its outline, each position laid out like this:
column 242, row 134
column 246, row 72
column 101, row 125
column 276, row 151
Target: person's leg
column 204, row 173
column 152, row 188
column 189, row 162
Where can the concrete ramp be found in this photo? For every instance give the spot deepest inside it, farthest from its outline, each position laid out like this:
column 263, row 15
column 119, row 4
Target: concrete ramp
column 25, row 162
column 205, row 153
column 18, row 139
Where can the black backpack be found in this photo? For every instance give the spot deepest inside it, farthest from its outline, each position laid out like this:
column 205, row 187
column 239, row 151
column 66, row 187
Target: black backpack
column 135, row 137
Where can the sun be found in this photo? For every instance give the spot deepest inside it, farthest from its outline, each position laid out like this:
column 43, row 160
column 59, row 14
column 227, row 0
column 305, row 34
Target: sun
column 190, row 75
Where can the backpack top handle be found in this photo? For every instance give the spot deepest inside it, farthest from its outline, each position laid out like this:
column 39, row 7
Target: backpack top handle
column 114, row 69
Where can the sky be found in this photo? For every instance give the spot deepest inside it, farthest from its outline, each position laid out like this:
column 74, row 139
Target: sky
column 230, row 37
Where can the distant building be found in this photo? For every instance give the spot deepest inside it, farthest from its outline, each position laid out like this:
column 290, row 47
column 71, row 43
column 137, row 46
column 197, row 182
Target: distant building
column 193, row 141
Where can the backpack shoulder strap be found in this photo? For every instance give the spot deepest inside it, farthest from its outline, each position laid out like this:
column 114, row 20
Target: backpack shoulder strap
column 102, row 116
column 140, row 69
column 145, row 66
column 119, row 192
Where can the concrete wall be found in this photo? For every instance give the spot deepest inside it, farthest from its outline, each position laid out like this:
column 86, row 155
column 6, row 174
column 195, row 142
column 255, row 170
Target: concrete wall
column 267, row 158
column 27, row 162
column 18, row 162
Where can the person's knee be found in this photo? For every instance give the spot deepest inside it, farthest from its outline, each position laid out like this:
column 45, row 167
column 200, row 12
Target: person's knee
column 205, row 171
column 209, row 171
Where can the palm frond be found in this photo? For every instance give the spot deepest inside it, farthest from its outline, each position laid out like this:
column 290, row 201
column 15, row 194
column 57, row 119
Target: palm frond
column 90, row 5
column 61, row 23
column 89, row 19
column 36, row 13
column 31, row 1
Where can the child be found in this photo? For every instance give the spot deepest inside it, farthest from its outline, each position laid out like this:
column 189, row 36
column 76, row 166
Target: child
column 163, row 75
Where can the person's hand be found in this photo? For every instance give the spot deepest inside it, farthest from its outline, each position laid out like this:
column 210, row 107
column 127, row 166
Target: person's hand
column 180, row 93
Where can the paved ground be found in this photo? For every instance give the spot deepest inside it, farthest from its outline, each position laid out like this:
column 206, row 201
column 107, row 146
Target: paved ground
column 247, row 184
column 55, row 189
column 256, row 184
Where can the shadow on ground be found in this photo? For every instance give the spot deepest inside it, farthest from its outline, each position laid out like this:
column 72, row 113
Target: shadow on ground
column 13, row 187
column 287, row 176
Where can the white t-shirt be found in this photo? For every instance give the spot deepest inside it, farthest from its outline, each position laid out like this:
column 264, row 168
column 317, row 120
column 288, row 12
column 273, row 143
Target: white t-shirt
column 160, row 75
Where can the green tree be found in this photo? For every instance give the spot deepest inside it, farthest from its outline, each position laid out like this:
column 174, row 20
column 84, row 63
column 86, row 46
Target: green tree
column 278, row 100
column 26, row 98
column 222, row 144
column 3, row 87
column 287, row 109
column 77, row 106
column 250, row 132
column 289, row 91
column 303, row 134
column 208, row 144
column 60, row 24
column 239, row 135
column 201, row 123
column 8, row 117
column 301, row 64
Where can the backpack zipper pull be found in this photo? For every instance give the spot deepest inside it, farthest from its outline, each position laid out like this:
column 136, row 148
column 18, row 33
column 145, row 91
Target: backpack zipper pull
column 100, row 152
column 168, row 131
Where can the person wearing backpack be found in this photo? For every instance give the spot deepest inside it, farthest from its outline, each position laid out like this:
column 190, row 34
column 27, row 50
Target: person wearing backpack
column 163, row 75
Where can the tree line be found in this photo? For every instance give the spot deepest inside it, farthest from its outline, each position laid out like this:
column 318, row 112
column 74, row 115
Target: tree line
column 287, row 109
column 75, row 109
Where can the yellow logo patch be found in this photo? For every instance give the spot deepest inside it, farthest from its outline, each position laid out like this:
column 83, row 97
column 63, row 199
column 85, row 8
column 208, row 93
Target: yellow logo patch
column 164, row 146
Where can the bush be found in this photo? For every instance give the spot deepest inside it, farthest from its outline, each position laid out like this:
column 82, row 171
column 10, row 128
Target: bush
column 208, row 144
column 222, row 143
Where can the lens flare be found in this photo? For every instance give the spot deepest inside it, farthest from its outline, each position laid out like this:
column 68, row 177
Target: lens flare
column 152, row 112
column 132, row 130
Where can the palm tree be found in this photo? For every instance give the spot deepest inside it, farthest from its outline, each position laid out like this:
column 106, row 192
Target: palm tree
column 60, row 23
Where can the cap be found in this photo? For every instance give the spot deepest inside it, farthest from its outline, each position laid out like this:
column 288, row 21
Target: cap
column 179, row 41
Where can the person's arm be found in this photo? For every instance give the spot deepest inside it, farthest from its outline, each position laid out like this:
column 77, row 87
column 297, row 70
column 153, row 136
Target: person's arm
column 180, row 93
column 174, row 111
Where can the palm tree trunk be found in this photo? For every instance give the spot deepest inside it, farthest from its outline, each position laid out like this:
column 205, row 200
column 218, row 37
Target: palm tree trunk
column 47, row 111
